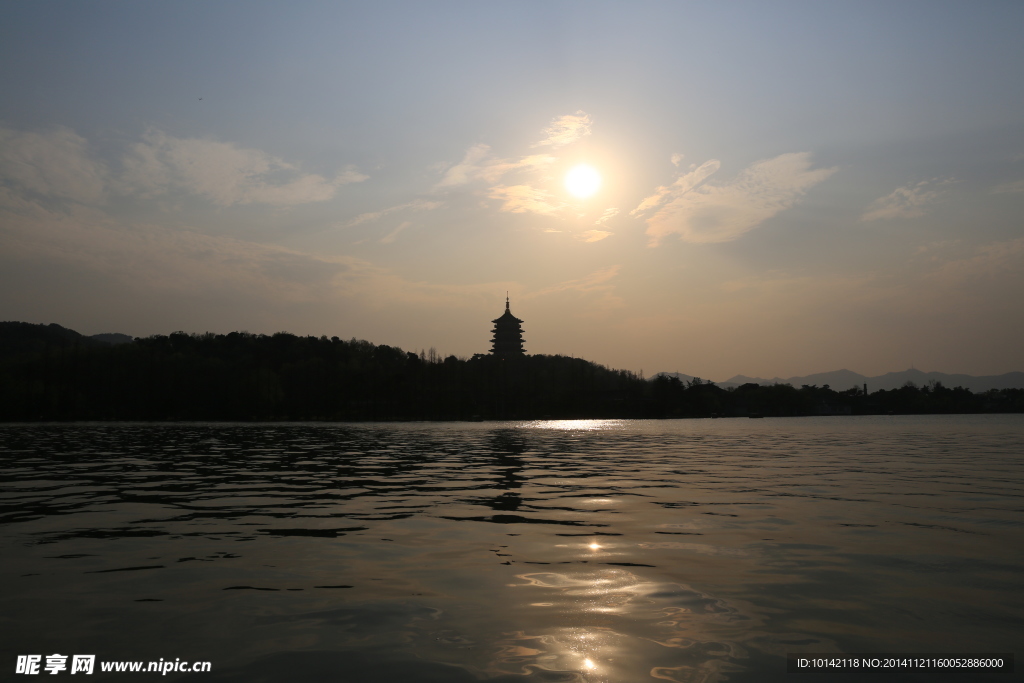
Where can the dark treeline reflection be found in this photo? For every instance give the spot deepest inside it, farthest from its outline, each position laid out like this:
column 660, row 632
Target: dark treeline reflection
column 51, row 373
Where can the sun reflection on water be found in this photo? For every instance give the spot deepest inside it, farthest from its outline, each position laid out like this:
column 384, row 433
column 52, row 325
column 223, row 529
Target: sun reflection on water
column 621, row 622
column 577, row 425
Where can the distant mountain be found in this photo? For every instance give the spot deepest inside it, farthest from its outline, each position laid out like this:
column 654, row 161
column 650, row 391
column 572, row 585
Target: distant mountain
column 837, row 379
column 840, row 380
column 17, row 338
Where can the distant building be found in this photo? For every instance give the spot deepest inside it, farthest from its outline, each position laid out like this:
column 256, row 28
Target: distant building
column 508, row 335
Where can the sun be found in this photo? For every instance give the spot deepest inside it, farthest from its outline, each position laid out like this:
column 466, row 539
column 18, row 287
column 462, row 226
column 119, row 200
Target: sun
column 582, row 181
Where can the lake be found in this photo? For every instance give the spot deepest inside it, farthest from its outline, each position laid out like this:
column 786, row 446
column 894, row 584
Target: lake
column 612, row 551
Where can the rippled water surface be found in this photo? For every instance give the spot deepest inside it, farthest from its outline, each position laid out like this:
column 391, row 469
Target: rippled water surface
column 598, row 551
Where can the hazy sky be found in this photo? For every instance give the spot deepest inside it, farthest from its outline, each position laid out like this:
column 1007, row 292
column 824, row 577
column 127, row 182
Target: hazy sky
column 786, row 187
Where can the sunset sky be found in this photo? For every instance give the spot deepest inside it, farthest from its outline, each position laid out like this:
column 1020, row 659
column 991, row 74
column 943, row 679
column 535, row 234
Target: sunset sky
column 784, row 188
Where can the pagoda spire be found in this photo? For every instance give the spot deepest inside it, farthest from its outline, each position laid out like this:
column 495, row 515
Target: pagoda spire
column 507, row 341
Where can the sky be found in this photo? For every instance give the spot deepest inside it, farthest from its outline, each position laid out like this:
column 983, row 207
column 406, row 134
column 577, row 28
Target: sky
column 777, row 189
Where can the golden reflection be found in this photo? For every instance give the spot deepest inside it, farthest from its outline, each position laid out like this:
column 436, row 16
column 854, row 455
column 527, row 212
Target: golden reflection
column 577, row 425
column 610, row 604
column 594, row 545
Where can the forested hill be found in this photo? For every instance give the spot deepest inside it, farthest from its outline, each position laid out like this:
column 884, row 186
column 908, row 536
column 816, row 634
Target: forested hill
column 48, row 372
column 241, row 376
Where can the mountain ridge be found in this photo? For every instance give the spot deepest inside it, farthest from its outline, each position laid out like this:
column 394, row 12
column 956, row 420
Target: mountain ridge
column 841, row 380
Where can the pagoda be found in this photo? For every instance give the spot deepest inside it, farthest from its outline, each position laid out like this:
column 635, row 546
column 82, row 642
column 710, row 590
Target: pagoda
column 508, row 335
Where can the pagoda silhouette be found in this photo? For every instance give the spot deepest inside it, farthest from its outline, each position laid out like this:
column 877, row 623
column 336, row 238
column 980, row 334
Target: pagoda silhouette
column 508, row 335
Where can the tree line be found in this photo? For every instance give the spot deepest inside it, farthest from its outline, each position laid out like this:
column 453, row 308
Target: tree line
column 50, row 373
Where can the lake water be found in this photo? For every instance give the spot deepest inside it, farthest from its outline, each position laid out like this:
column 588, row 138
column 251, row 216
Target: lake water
column 590, row 551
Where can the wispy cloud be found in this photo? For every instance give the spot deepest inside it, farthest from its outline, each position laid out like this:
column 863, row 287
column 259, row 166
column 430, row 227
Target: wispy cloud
column 479, row 164
column 224, row 173
column 59, row 164
column 565, row 130
column 680, row 187
column 700, row 212
column 593, row 235
column 1009, row 188
column 607, row 216
column 147, row 257
column 523, row 198
column 416, row 205
column 145, row 260
column 393, row 235
column 468, row 169
column 676, row 159
column 909, row 201
column 53, row 164
column 515, row 182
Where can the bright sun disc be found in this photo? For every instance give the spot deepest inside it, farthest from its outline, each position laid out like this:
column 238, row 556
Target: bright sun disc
column 582, row 181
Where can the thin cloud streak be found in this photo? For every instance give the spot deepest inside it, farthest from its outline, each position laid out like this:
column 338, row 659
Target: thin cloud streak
column 608, row 214
column 523, row 198
column 417, row 205
column 702, row 213
column 908, row 201
column 681, row 186
column 566, row 130
column 594, row 235
column 393, row 235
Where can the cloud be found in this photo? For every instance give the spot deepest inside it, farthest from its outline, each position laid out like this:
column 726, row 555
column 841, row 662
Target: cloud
column 467, row 170
column 144, row 257
column 223, row 173
column 417, row 205
column 479, row 164
column 1009, row 188
column 393, row 235
column 607, row 216
column 159, row 278
column 53, row 164
column 908, row 201
column 676, row 158
column 565, row 130
column 144, row 260
column 593, row 235
column 519, row 192
column 523, row 198
column 681, row 186
column 702, row 213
